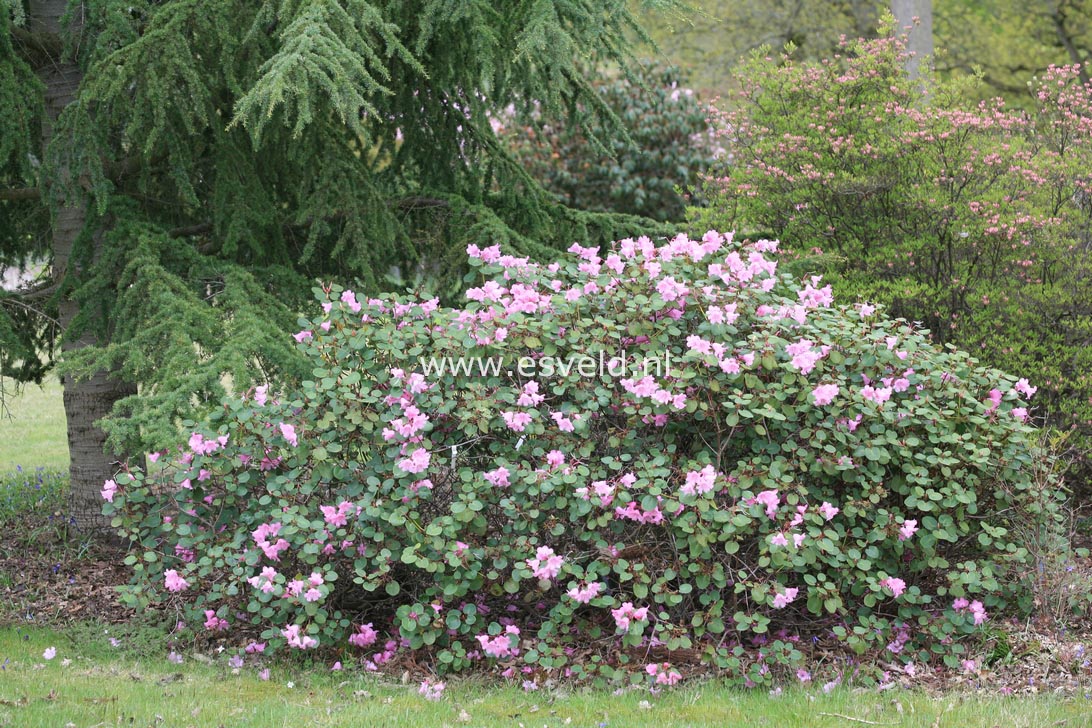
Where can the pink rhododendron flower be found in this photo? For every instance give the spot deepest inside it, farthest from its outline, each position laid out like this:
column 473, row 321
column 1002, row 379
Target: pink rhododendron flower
column 530, row 396
column 364, row 636
column 262, row 535
column 289, row 433
column 975, row 608
column 214, row 623
column 1020, row 413
column 824, row 394
column 302, row 336
column 879, row 396
column 778, row 539
column 109, row 489
column 804, row 357
column 895, row 584
column 1023, row 387
column 828, row 511
column 545, row 564
column 699, row 482
column 908, row 529
column 627, row 614
column 563, row 423
column 173, row 581
column 498, row 477
column 586, row 593
column 783, row 599
column 417, row 461
column 770, row 499
column 670, row 289
column 501, row 645
column 349, row 299
column 339, row 515
column 663, row 673
column 298, row 640
column 555, row 458
column 516, row 421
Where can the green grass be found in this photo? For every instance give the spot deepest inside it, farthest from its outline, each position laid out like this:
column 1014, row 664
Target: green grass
column 104, row 685
column 34, row 434
column 26, row 494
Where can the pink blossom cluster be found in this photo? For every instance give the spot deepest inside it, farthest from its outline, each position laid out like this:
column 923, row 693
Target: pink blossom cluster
column 647, row 387
column 408, row 425
column 804, row 356
column 699, row 482
column 604, row 490
column 895, row 584
column 584, row 594
column 503, row 645
column 908, row 528
column 297, row 639
column 627, row 614
column 339, row 515
column 498, row 477
column 213, row 623
column 978, row 612
column 262, row 537
column 200, row 446
column 109, row 490
column 767, row 498
column 633, row 512
column 417, row 461
column 265, row 581
column 365, row 636
column 173, row 582
column 785, row 597
column 663, row 673
column 545, row 564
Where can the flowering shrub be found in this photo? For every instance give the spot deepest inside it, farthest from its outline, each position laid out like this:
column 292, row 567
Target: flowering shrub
column 755, row 465
column 971, row 218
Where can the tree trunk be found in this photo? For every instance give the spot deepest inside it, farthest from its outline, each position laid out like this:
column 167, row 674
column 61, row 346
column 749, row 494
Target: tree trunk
column 88, row 400
column 914, row 18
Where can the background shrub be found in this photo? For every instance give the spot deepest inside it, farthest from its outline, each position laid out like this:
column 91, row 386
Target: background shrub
column 795, row 469
column 971, row 218
column 589, row 167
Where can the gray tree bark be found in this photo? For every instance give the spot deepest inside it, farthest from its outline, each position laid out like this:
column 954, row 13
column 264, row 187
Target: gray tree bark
column 89, row 400
column 914, row 19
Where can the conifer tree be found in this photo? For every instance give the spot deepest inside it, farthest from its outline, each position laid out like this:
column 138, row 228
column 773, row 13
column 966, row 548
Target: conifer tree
column 188, row 171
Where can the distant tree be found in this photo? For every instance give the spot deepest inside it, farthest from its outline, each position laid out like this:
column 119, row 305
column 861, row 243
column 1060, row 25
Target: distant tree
column 915, row 18
column 708, row 42
column 668, row 145
column 189, row 169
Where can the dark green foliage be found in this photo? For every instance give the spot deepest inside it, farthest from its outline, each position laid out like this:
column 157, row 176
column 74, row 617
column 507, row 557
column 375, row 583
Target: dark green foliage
column 645, row 174
column 234, row 152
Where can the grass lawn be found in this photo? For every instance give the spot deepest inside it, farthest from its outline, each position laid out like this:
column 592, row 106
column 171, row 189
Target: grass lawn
column 34, row 434
column 103, row 685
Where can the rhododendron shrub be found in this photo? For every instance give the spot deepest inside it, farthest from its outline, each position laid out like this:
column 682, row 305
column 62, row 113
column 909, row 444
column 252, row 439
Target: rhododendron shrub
column 754, row 465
